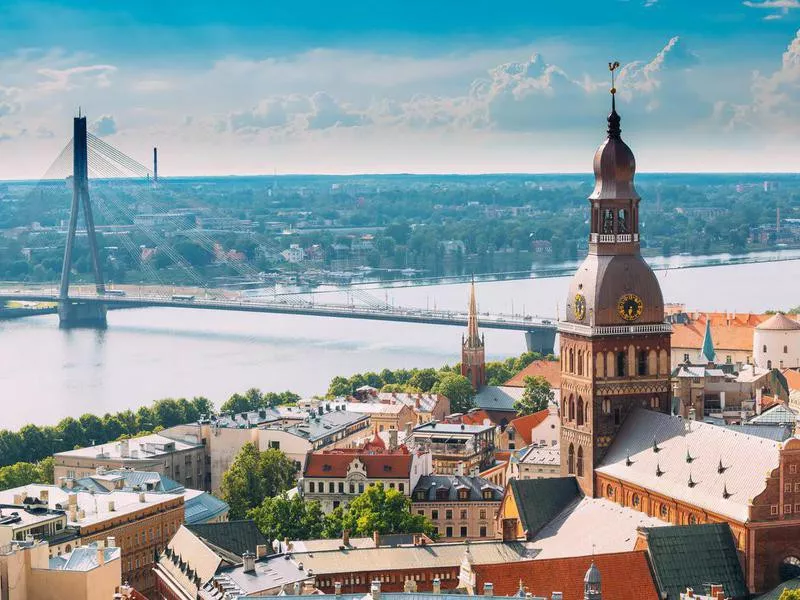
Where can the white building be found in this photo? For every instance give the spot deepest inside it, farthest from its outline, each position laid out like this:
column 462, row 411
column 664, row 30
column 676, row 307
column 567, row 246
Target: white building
column 776, row 343
column 294, row 254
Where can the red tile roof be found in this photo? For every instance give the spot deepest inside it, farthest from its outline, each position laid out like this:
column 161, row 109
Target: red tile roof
column 624, row 576
column 378, row 466
column 549, row 369
column 524, row 425
column 792, row 378
column 729, row 332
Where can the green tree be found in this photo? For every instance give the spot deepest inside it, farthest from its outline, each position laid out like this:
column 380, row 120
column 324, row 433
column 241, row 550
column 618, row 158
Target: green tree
column 237, row 403
column 384, row 511
column 255, row 475
column 281, row 517
column 458, row 390
column 70, row 434
column 537, row 396
column 790, row 595
column 423, row 379
column 339, row 386
column 24, row 473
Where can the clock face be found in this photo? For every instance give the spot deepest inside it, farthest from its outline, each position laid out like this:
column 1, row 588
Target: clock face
column 630, row 307
column 579, row 309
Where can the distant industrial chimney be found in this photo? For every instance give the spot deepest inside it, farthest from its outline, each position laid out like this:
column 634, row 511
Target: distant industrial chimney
column 155, row 165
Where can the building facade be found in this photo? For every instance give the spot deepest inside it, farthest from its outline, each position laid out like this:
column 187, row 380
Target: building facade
column 335, row 477
column 615, row 345
column 456, row 446
column 460, row 507
column 776, row 343
column 183, row 461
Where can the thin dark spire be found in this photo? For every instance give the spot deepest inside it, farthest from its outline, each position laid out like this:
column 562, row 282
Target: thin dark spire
column 614, row 130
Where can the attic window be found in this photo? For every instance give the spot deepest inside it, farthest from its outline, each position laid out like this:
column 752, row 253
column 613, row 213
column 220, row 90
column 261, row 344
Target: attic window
column 387, row 468
column 463, row 494
column 487, row 494
column 327, row 468
column 442, row 494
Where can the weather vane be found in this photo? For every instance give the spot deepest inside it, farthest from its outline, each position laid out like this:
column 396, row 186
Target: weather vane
column 613, row 66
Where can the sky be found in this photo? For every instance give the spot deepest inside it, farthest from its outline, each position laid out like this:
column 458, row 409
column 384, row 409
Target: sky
column 307, row 86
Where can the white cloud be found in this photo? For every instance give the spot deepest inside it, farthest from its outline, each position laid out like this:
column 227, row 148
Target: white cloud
column 104, row 126
column 782, row 6
column 59, row 80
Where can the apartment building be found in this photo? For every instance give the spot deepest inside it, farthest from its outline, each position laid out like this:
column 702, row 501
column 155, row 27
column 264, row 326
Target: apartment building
column 452, row 444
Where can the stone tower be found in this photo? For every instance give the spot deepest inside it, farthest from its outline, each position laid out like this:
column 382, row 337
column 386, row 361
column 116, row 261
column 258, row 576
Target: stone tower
column 615, row 344
column 473, row 354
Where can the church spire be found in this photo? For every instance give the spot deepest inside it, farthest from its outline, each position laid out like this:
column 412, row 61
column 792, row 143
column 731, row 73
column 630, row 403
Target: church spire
column 473, row 338
column 707, row 353
column 614, row 131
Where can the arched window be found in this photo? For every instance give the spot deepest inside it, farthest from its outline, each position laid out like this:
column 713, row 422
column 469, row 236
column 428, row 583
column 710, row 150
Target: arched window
column 655, row 404
column 571, row 460
column 664, row 511
column 636, row 500
column 622, row 221
column 641, row 363
column 790, row 568
column 571, row 360
column 764, row 348
column 785, row 349
column 769, row 364
column 606, row 405
column 610, row 491
column 580, row 362
column 572, row 408
column 580, row 411
column 621, row 364
column 580, row 461
column 692, row 520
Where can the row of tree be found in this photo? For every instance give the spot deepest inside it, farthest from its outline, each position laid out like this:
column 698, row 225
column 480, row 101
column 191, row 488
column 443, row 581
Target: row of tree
column 254, row 399
column 23, row 473
column 34, row 443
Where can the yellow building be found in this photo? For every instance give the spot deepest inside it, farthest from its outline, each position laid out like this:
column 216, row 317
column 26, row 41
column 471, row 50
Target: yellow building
column 27, row 572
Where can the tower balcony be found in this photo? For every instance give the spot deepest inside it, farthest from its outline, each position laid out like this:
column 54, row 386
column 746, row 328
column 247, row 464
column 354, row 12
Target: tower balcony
column 611, row 238
column 592, row 331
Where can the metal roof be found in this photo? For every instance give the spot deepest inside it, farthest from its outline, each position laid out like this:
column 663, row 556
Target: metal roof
column 83, row 558
column 431, row 484
column 713, row 468
column 498, row 397
column 201, row 507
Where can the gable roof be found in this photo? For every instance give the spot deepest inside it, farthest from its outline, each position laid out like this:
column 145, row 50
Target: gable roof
column 694, row 556
column 549, row 369
column 524, row 425
column 698, row 481
column 496, row 397
column 540, row 500
column 232, row 536
column 624, row 576
column 430, row 484
column 792, row 378
column 377, row 466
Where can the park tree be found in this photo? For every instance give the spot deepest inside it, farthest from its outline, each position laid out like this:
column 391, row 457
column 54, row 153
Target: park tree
column 537, row 396
column 385, row 511
column 283, row 517
column 790, row 595
column 255, row 475
column 423, row 379
column 458, row 390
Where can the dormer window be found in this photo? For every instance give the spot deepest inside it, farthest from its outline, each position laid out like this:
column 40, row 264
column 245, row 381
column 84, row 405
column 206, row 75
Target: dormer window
column 442, row 494
column 463, row 494
column 327, row 468
column 419, row 494
column 487, row 494
column 387, row 468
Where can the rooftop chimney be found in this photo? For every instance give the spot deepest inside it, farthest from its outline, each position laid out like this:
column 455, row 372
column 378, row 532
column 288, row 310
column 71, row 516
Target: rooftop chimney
column 124, row 448
column 437, row 586
column 111, row 542
column 376, row 537
column 249, row 561
column 488, row 589
column 392, row 440
column 375, row 590
column 110, row 506
column 346, row 537
column 44, row 496
column 261, row 551
column 142, row 497
column 101, row 556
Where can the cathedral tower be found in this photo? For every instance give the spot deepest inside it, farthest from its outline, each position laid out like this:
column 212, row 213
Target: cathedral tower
column 615, row 345
column 473, row 354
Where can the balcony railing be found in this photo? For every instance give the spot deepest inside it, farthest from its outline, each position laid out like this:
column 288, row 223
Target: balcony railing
column 590, row 331
column 610, row 238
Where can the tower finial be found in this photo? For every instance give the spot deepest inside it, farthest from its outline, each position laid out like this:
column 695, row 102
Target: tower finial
column 613, row 119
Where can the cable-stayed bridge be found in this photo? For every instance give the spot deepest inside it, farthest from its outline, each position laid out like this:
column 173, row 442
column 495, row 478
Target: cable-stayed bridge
column 119, row 183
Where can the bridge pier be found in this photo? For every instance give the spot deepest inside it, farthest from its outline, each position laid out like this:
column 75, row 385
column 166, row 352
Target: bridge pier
column 73, row 314
column 541, row 340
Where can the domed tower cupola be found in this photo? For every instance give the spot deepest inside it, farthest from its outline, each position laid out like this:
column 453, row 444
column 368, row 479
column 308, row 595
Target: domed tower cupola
column 614, row 201
column 592, row 589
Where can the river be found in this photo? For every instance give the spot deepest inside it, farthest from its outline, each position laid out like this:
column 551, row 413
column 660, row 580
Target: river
column 47, row 374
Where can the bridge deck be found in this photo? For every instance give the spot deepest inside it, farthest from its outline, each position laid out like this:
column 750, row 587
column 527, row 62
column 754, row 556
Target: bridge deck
column 402, row 315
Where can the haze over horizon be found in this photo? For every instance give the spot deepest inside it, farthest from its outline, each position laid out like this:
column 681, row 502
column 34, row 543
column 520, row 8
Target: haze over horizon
column 354, row 88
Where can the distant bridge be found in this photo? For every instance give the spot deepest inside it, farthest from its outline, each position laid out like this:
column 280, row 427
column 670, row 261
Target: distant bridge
column 80, row 308
column 539, row 331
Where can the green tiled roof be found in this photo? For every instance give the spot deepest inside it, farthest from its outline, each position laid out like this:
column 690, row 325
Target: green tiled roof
column 695, row 556
column 540, row 500
column 232, row 536
column 792, row 584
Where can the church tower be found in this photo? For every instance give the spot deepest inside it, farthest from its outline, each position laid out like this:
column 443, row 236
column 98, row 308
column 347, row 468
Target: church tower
column 473, row 355
column 615, row 344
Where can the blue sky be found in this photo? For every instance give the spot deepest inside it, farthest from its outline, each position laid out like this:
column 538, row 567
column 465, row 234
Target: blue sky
column 345, row 87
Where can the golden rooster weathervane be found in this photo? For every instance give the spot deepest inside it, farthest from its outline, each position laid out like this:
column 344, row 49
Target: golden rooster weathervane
column 613, row 66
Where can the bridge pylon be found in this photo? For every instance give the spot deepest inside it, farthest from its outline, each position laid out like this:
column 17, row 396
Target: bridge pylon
column 541, row 340
column 74, row 313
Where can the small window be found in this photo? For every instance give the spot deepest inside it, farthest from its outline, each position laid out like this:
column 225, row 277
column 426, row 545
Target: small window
column 787, row 509
column 793, row 469
column 483, row 513
column 636, row 500
column 692, row 520
column 664, row 511
column 786, row 349
column 686, row 358
column 764, row 348
column 797, row 487
column 773, row 510
column 341, row 487
column 352, row 488
column 435, row 515
column 421, row 513
column 787, row 487
column 729, row 359
column 275, row 445
column 331, row 487
column 448, row 514
column 448, row 532
column 463, row 532
column 401, row 487
column 483, row 531
column 463, row 514
column 610, row 490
